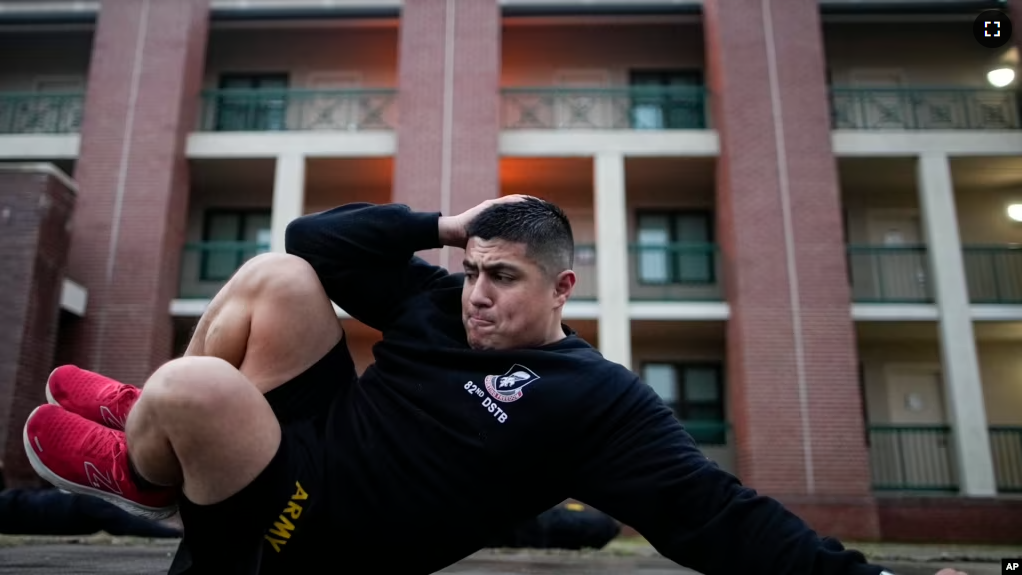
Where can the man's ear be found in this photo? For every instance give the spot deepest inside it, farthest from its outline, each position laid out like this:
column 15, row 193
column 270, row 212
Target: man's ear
column 564, row 285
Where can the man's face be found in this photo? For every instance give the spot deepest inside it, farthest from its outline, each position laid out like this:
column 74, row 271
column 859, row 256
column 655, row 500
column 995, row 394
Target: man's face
column 508, row 301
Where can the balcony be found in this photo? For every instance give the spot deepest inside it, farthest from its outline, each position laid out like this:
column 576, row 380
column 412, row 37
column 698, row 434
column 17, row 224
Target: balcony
column 899, row 274
column 41, row 113
column 675, row 272
column 585, row 273
column 921, row 458
column 912, row 458
column 994, row 273
column 263, row 110
column 889, row 274
column 923, row 109
column 1006, row 447
column 601, row 108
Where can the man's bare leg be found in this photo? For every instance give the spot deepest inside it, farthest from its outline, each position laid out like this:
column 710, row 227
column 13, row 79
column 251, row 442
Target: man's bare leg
column 202, row 421
column 272, row 321
column 202, row 425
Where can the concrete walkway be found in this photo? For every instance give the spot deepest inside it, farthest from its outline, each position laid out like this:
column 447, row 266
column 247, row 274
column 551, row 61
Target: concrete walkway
column 117, row 556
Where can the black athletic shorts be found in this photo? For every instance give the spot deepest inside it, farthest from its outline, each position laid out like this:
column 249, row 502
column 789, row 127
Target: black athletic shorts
column 276, row 523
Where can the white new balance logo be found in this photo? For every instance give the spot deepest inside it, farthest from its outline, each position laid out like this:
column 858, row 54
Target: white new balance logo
column 101, row 480
column 110, row 419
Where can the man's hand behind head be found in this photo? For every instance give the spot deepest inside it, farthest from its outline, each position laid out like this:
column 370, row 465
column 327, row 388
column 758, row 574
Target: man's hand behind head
column 452, row 228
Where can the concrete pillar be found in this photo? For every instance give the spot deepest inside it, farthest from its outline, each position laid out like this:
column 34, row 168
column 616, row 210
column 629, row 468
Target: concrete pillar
column 288, row 197
column 792, row 374
column 36, row 203
column 615, row 325
column 141, row 102
column 962, row 383
column 449, row 103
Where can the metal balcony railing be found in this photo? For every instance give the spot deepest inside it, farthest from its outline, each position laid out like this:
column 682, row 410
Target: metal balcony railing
column 206, row 266
column 1006, row 449
column 889, row 274
column 246, row 110
column 41, row 113
column 994, row 273
column 616, row 108
column 675, row 272
column 923, row 109
column 912, row 458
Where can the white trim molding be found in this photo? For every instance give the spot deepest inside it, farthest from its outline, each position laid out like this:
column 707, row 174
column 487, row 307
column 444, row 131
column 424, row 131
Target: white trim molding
column 894, row 312
column 679, row 311
column 211, row 145
column 907, row 143
column 586, row 143
column 40, row 146
column 996, row 312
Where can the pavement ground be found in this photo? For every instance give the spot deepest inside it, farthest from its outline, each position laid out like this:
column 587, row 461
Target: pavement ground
column 125, row 555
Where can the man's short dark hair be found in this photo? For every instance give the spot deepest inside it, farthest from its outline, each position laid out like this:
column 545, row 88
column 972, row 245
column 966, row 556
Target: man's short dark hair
column 540, row 225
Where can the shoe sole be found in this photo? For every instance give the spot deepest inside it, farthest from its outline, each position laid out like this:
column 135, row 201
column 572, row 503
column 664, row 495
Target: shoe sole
column 49, row 395
column 153, row 513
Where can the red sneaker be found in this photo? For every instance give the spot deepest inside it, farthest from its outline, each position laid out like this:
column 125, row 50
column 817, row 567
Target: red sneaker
column 91, row 395
column 81, row 456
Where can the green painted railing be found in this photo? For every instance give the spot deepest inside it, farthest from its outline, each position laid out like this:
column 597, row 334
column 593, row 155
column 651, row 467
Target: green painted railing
column 994, row 273
column 244, row 110
column 923, row 109
column 912, row 458
column 40, row 113
column 585, row 273
column 675, row 272
column 617, row 108
column 889, row 274
column 206, row 266
column 1006, row 449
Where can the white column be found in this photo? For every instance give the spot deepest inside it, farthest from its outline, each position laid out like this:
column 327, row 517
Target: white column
column 962, row 383
column 288, row 196
column 615, row 328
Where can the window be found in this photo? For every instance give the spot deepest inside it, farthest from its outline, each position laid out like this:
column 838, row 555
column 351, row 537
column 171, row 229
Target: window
column 695, row 392
column 678, row 104
column 251, row 111
column 676, row 248
column 232, row 237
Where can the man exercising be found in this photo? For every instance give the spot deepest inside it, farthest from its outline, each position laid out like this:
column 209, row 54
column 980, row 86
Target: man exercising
column 482, row 410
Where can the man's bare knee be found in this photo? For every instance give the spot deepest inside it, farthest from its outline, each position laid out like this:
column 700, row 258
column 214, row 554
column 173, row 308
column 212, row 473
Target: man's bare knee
column 275, row 275
column 272, row 320
column 193, row 385
column 219, row 428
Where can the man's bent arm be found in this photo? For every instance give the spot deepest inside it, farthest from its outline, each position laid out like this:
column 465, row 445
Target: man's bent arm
column 646, row 471
column 364, row 255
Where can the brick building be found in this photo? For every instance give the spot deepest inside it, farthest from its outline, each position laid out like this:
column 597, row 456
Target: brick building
column 793, row 217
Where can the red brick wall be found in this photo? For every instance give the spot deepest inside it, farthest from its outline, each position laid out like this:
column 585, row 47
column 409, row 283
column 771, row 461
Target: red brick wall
column 951, row 520
column 763, row 346
column 34, row 211
column 142, row 95
column 474, row 124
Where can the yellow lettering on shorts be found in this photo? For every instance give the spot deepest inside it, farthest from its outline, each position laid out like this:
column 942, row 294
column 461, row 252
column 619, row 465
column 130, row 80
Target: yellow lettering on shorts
column 293, row 509
column 283, row 528
column 277, row 543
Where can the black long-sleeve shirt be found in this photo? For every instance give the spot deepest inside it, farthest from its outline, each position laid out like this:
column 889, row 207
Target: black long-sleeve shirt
column 438, row 445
